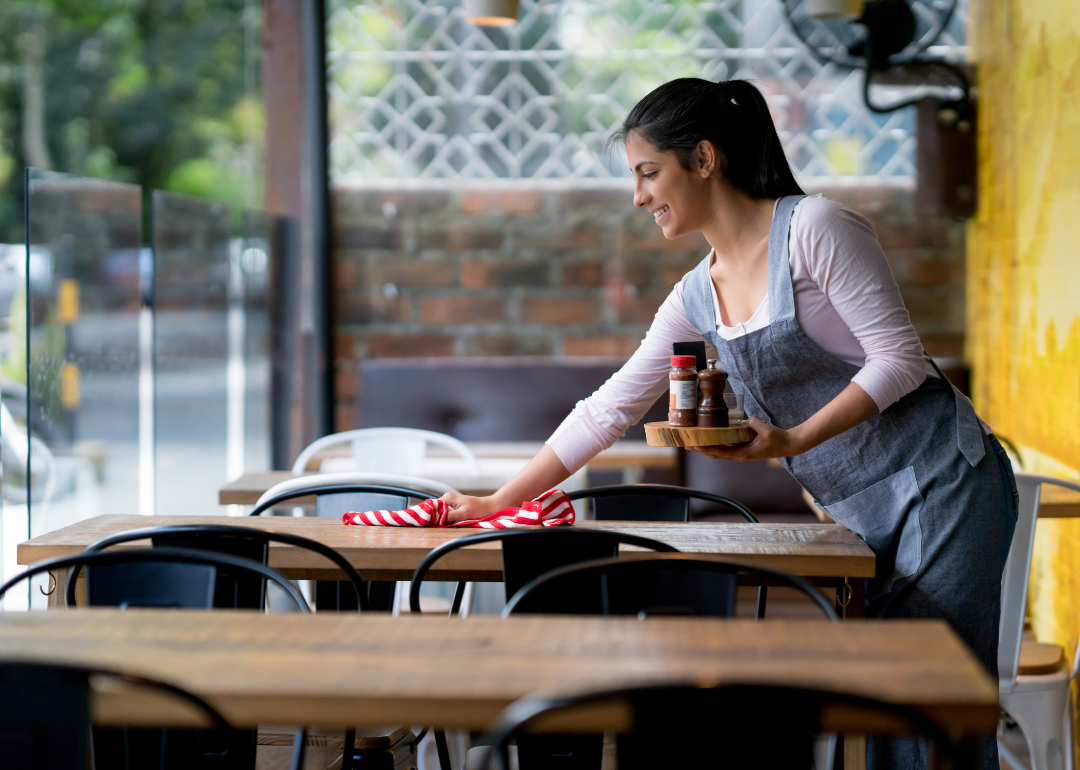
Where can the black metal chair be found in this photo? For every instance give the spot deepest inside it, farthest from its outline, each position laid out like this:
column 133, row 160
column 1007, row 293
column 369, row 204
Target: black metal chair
column 657, row 584
column 231, row 591
column 651, row 502
column 45, row 713
column 178, row 578
column 526, row 555
column 658, row 502
column 529, row 553
column 334, row 500
column 196, row 592
column 737, row 726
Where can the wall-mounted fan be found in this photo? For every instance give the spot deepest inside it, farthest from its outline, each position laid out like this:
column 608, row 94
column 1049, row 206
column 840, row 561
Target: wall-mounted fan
column 876, row 36
column 889, row 39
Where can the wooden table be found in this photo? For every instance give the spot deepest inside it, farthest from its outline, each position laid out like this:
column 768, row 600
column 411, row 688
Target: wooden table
column 392, row 553
column 1054, row 502
column 632, row 457
column 625, row 453
column 827, row 554
column 338, row 670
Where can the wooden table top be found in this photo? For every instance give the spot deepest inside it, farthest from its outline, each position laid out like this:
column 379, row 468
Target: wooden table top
column 247, row 489
column 392, row 553
column 623, row 453
column 1058, row 503
column 344, row 669
column 1054, row 502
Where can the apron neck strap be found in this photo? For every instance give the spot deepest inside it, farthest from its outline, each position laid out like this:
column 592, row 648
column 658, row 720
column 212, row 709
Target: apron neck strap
column 781, row 295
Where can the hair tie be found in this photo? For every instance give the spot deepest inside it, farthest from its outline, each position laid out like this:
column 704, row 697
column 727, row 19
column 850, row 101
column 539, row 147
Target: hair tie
column 723, row 86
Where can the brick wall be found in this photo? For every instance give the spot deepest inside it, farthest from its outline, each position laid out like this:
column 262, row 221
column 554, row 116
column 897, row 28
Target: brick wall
column 571, row 270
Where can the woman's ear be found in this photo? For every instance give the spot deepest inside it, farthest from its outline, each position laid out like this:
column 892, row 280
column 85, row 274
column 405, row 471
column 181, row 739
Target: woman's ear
column 707, row 159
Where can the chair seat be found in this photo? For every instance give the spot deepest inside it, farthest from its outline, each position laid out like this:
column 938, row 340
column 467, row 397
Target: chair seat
column 438, row 605
column 324, row 747
column 375, row 738
column 474, row 759
column 1037, row 658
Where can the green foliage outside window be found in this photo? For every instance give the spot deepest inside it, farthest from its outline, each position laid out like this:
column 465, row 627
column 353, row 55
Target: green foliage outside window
column 161, row 93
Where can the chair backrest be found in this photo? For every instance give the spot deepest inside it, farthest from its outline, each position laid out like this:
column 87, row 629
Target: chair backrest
column 231, row 590
column 651, row 502
column 44, row 717
column 388, row 450
column 528, row 553
column 743, row 720
column 658, row 584
column 1015, row 577
column 164, row 595
column 45, row 713
column 170, row 585
column 244, row 590
column 339, row 493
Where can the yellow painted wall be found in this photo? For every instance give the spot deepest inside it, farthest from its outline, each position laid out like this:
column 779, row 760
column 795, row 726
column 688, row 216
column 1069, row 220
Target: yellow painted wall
column 1024, row 267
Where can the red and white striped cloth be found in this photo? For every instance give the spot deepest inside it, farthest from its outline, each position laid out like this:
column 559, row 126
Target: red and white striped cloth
column 549, row 510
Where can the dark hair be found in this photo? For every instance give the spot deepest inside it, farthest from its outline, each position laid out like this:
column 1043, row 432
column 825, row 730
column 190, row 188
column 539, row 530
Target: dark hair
column 733, row 115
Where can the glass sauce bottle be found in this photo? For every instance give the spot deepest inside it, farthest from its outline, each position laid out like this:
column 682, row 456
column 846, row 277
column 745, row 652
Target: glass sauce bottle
column 682, row 409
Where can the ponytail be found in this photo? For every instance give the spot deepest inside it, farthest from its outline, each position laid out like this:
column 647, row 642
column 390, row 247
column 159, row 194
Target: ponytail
column 733, row 115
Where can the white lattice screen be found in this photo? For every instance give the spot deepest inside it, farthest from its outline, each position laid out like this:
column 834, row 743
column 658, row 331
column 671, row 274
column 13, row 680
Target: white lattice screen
column 418, row 92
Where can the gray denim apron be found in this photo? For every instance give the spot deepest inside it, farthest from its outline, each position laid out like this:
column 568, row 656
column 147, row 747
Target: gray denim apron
column 919, row 482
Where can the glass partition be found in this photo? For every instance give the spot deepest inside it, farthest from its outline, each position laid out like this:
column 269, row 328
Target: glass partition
column 192, row 266
column 13, row 438
column 70, row 411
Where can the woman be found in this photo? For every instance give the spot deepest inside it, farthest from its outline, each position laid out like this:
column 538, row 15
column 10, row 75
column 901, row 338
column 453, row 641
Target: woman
column 798, row 299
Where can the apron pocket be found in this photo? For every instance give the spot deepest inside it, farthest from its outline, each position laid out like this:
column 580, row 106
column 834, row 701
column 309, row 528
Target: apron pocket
column 886, row 516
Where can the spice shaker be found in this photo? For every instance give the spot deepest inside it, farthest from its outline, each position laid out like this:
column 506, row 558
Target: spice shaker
column 682, row 406
column 712, row 412
column 735, row 404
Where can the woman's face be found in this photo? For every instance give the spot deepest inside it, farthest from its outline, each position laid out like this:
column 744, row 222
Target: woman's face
column 677, row 198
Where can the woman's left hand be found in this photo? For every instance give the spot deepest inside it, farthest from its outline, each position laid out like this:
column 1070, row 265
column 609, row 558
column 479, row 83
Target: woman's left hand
column 852, row 406
column 769, row 441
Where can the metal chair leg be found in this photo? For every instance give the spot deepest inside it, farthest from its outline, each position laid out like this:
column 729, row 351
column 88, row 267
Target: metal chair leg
column 299, row 745
column 762, row 597
column 459, row 594
column 443, row 750
column 347, row 750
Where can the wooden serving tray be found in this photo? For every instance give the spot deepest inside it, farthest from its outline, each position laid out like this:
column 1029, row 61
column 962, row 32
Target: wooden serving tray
column 662, row 434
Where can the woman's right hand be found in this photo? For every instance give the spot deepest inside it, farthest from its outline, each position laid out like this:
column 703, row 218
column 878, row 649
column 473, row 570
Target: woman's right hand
column 543, row 472
column 465, row 507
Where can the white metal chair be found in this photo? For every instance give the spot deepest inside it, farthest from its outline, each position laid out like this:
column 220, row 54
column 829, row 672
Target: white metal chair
column 1033, row 685
column 385, row 450
column 435, row 488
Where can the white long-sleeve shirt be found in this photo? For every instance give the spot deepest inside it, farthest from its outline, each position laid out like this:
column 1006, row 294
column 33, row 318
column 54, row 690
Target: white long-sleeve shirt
column 846, row 300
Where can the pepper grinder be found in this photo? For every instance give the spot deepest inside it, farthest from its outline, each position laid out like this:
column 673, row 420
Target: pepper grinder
column 712, row 411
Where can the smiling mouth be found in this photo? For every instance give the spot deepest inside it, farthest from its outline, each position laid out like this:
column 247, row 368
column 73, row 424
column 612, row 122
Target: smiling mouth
column 660, row 212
